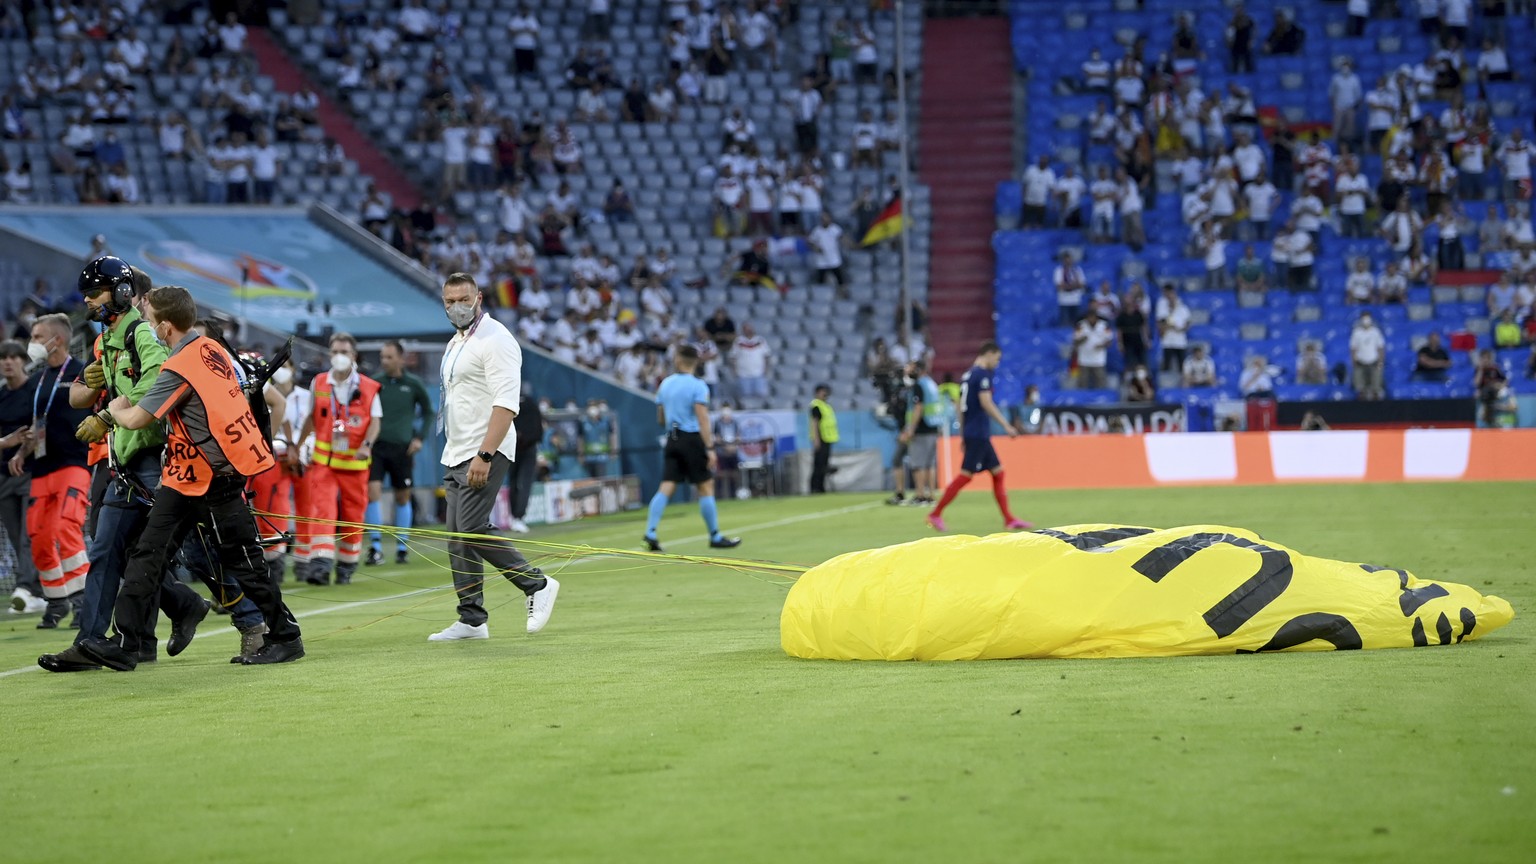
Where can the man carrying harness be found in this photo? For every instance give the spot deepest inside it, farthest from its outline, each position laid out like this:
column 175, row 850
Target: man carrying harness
column 213, row 444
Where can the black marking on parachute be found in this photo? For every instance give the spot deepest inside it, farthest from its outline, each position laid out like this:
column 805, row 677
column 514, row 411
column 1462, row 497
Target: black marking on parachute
column 1094, row 539
column 1468, row 623
column 1443, row 629
column 1410, row 600
column 1419, row 640
column 1336, row 630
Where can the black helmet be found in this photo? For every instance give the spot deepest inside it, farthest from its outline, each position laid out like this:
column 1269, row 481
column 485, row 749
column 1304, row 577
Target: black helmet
column 108, row 273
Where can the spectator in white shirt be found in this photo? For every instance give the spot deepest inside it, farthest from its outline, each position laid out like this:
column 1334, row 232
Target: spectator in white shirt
column 1353, row 192
column 1360, row 286
column 1381, row 105
column 1068, row 192
column 1493, row 63
column 751, row 354
column 416, row 22
column 827, row 242
column 1515, row 157
column 1261, row 196
column 232, row 36
column 1302, row 249
column 1128, row 196
column 122, row 187
column 1037, row 184
column 265, row 162
column 1402, row 226
column 1091, row 340
column 1198, row 370
column 1214, row 250
column 1106, row 194
column 237, row 167
column 1173, row 320
column 758, row 38
column 1345, row 93
column 1367, row 349
column 1258, row 378
column 523, row 27
column 1070, row 284
column 455, row 142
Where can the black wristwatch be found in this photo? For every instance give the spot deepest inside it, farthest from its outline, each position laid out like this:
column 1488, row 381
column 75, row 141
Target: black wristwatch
column 486, row 455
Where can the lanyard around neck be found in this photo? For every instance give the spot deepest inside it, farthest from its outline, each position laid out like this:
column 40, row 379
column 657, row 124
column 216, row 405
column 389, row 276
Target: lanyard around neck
column 52, row 391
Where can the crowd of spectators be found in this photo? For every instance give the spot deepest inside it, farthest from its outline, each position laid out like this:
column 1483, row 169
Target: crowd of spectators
column 1295, row 195
column 549, row 277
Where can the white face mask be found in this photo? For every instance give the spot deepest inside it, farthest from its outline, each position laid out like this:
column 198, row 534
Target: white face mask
column 341, row 364
column 37, row 352
column 282, row 376
column 462, row 314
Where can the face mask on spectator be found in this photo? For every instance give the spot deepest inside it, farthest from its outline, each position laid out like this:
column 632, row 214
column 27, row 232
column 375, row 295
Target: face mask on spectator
column 341, row 364
column 37, row 352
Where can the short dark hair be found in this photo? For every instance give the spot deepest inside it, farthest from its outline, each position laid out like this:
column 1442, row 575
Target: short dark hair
column 988, row 347
column 142, row 284
column 59, row 322
column 461, row 279
column 12, row 348
column 395, row 344
column 174, row 305
column 688, row 352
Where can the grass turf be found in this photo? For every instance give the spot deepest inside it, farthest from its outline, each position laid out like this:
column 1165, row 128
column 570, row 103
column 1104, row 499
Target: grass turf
column 656, row 717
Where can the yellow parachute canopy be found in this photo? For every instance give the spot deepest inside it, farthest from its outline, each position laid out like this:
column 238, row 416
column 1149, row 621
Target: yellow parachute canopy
column 1116, row 591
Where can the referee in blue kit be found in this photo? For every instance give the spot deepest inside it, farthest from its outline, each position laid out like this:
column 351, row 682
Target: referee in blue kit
column 682, row 406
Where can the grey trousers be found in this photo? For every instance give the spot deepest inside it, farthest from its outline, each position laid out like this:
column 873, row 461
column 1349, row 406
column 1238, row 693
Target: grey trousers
column 469, row 512
column 14, row 494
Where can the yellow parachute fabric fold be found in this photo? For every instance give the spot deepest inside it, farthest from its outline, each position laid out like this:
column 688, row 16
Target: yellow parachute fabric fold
column 1116, row 591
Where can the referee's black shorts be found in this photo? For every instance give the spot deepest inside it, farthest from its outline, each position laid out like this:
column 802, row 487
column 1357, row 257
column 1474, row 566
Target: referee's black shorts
column 685, row 459
column 390, row 459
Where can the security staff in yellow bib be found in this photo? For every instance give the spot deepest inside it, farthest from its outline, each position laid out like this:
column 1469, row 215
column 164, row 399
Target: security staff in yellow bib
column 823, row 436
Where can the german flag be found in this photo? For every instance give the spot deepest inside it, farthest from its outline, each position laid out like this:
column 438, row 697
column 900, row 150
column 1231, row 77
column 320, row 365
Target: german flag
column 888, row 224
column 506, row 293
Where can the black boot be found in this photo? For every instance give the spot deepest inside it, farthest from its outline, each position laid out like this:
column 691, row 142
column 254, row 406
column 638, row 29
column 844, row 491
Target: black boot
column 344, row 571
column 319, row 571
column 57, row 611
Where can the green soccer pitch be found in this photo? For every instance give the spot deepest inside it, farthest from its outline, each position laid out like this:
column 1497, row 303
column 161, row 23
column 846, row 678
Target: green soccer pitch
column 656, row 719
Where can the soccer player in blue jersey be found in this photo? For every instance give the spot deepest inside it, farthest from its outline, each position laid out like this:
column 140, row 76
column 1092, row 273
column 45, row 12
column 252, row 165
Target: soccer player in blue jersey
column 682, row 406
column 978, row 412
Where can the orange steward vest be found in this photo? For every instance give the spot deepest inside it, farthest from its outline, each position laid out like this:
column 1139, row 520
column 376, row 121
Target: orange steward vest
column 208, row 368
column 340, row 452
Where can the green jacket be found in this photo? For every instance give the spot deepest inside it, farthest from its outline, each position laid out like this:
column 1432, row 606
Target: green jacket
column 407, row 409
column 124, row 380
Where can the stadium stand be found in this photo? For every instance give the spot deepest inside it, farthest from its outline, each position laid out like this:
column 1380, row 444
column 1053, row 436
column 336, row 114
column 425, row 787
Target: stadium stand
column 173, row 109
column 1184, row 90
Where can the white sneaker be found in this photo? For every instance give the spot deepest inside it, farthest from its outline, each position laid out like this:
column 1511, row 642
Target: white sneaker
column 518, row 526
column 459, row 631
column 24, row 602
column 541, row 604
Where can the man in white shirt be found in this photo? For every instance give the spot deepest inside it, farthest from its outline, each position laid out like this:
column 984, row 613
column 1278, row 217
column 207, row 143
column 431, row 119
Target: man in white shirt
column 1037, row 183
column 1198, row 370
column 1261, row 196
column 1070, row 283
column 759, row 39
column 1515, row 156
column 1173, row 319
column 237, row 175
column 1381, row 106
column 1353, row 192
column 728, row 202
column 1106, row 194
column 455, row 141
column 1367, row 349
column 1069, row 191
column 1303, row 252
column 1131, row 206
column 827, row 243
column 523, row 27
column 482, row 378
column 416, row 22
column 513, row 212
column 750, row 354
column 1248, row 157
column 265, row 161
column 1345, row 92
column 1091, row 342
column 807, row 110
